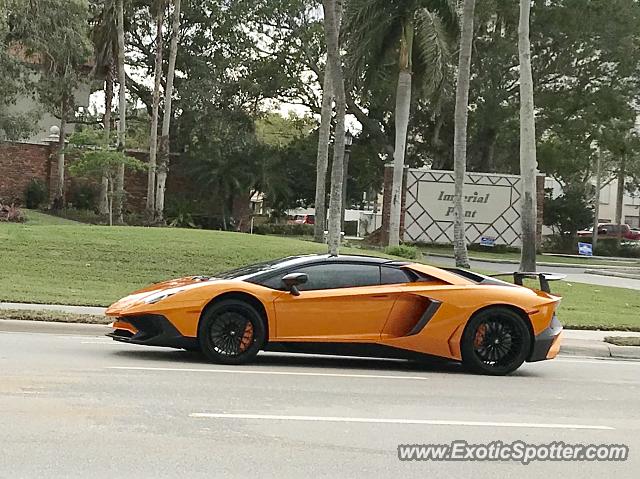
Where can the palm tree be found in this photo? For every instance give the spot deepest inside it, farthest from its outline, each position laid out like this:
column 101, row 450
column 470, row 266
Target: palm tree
column 332, row 34
column 412, row 37
column 153, row 138
column 122, row 111
column 528, row 162
column 460, row 139
column 104, row 36
column 323, row 156
column 166, row 119
column 323, row 144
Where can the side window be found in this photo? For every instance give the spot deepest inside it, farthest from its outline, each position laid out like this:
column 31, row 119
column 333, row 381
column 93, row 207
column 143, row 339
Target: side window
column 394, row 275
column 332, row 276
column 275, row 282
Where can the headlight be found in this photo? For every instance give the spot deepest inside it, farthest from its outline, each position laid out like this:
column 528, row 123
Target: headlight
column 159, row 296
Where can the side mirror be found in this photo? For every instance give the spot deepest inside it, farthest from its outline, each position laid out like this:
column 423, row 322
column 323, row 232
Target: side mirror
column 293, row 280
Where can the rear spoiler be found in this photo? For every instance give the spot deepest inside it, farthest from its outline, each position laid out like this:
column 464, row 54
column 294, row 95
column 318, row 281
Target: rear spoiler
column 545, row 278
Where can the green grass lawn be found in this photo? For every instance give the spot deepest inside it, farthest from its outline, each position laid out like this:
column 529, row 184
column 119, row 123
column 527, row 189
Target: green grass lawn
column 95, row 265
column 597, row 307
column 36, row 218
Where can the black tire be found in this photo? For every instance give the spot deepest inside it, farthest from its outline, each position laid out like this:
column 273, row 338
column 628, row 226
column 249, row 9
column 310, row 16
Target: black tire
column 231, row 332
column 495, row 342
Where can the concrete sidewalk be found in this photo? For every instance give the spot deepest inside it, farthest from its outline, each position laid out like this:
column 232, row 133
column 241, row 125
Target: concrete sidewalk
column 583, row 265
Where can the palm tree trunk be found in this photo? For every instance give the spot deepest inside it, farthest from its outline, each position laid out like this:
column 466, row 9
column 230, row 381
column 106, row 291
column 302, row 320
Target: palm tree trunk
column 620, row 197
column 332, row 33
column 323, row 156
column 122, row 111
column 163, row 163
column 528, row 162
column 153, row 137
column 103, row 201
column 460, row 139
column 59, row 201
column 596, row 202
column 403, row 110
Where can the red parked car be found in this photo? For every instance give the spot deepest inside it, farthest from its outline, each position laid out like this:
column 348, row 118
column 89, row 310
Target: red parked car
column 610, row 230
column 303, row 220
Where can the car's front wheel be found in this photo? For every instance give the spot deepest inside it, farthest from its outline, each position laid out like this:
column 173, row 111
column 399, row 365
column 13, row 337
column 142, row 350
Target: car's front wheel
column 231, row 332
column 496, row 342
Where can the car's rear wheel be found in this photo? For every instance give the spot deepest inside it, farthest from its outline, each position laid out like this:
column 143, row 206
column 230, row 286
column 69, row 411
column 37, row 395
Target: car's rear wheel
column 231, row 332
column 496, row 342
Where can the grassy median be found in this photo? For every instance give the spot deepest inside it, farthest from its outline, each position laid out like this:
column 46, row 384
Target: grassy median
column 93, row 265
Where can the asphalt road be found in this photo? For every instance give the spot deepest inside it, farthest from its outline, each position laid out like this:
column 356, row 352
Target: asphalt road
column 577, row 275
column 77, row 405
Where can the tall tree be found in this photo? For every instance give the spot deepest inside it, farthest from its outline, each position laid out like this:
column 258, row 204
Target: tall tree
column 460, row 139
column 413, row 37
column 322, row 162
column 12, row 84
column 163, row 163
column 332, row 34
column 104, row 35
column 153, row 137
column 528, row 162
column 122, row 111
column 55, row 38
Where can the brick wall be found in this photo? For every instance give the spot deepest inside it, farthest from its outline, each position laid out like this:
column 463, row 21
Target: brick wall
column 19, row 164
column 22, row 162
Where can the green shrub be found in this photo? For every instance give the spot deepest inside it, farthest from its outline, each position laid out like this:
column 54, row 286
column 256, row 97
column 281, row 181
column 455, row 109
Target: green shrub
column 404, row 251
column 83, row 196
column 283, row 230
column 35, row 194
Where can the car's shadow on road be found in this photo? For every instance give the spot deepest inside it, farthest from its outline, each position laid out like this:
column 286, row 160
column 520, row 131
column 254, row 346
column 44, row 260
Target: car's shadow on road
column 288, row 360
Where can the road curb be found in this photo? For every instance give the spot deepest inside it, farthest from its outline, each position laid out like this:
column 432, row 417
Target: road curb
column 615, row 274
column 49, row 327
column 598, row 349
column 62, row 308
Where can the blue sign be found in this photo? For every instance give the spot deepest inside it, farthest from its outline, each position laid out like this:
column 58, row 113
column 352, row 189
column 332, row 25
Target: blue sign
column 585, row 249
column 487, row 241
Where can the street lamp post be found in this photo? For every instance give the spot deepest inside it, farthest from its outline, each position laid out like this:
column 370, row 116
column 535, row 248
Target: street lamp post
column 348, row 141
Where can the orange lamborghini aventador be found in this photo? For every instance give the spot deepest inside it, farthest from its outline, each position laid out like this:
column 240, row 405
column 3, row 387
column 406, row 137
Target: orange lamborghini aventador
column 347, row 305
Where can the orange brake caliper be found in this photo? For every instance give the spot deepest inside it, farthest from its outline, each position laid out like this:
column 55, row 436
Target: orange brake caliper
column 247, row 337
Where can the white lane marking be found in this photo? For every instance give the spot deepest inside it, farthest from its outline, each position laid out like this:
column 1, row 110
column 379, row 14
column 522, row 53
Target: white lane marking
column 275, row 373
column 429, row 422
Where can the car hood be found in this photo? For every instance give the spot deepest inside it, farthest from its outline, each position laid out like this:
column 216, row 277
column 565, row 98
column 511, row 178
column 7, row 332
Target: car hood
column 171, row 287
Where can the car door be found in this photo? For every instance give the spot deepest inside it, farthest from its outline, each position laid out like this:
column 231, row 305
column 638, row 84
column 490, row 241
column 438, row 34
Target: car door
column 340, row 302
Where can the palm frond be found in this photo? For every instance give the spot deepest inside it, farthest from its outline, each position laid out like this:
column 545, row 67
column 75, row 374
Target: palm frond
column 371, row 29
column 433, row 48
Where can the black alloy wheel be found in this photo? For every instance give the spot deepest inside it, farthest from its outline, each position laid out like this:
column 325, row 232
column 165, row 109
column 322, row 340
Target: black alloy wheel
column 231, row 332
column 496, row 341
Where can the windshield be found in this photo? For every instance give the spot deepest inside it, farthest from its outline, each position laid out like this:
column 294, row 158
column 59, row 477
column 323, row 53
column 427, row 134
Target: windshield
column 254, row 269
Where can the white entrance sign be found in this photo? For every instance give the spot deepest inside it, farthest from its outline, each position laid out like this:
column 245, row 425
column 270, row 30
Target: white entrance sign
column 491, row 207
